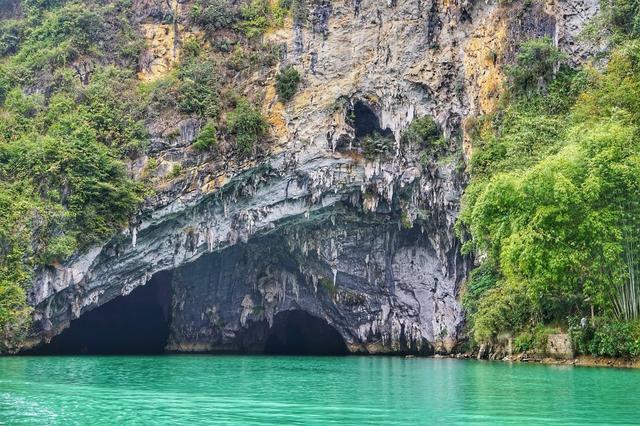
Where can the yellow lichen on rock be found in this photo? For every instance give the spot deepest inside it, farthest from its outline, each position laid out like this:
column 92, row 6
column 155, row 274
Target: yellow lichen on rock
column 161, row 52
column 275, row 111
column 482, row 69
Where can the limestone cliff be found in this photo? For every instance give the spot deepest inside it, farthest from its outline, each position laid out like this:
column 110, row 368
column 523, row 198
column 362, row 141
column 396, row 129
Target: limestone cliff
column 312, row 225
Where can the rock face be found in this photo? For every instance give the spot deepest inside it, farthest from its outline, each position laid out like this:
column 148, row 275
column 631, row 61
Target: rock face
column 368, row 246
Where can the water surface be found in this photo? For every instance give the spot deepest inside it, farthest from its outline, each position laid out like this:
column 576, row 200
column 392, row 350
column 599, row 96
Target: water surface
column 243, row 390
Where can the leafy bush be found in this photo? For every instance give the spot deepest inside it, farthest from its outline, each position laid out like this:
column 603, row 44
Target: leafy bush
column 176, row 170
column 623, row 16
column 213, row 15
column 423, row 132
column 503, row 309
column 481, row 280
column 162, row 95
column 207, row 138
column 255, row 18
column 615, row 339
column 376, row 145
column 198, row 88
column 116, row 110
column 248, row 126
column 535, row 67
column 533, row 340
column 287, row 83
column 524, row 342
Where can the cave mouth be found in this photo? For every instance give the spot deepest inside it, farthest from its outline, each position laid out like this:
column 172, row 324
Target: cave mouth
column 299, row 333
column 366, row 122
column 136, row 324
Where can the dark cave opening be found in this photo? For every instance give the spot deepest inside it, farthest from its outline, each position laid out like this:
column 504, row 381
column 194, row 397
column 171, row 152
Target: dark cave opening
column 366, row 122
column 127, row 325
column 299, row 333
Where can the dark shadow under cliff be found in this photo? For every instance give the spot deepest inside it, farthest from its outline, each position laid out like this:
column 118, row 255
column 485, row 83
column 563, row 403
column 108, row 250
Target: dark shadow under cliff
column 134, row 324
column 298, row 333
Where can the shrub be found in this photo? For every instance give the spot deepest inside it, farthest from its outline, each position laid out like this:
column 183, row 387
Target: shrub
column 207, row 138
column 175, row 171
column 481, row 280
column 503, row 309
column 255, row 18
column 623, row 15
column 533, row 340
column 198, row 88
column 535, row 67
column 116, row 110
column 615, row 339
column 287, row 83
column 213, row 15
column 248, row 125
column 524, row 342
column 163, row 94
column 376, row 145
column 191, row 48
column 422, row 132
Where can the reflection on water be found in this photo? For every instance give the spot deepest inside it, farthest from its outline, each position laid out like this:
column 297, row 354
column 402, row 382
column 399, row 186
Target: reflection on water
column 306, row 390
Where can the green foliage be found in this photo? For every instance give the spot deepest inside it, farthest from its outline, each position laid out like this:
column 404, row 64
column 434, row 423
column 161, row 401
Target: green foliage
column 287, row 83
column 481, row 280
column 73, row 31
column 534, row 340
column 623, row 16
column 198, row 88
column 329, row 287
column 548, row 202
column 376, row 145
column 207, row 138
column 89, row 181
column 213, row 15
column 11, row 35
column 258, row 16
column 423, row 132
column 248, row 126
column 116, row 110
column 63, row 132
column 506, row 308
column 535, row 67
column 191, row 48
column 615, row 339
column 524, row 342
column 255, row 18
column 176, row 170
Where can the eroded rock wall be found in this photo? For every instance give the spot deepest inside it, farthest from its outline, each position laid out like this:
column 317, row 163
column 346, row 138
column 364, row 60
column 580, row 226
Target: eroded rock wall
column 367, row 245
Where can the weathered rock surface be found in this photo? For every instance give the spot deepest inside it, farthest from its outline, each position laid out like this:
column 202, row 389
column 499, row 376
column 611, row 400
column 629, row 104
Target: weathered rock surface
column 368, row 246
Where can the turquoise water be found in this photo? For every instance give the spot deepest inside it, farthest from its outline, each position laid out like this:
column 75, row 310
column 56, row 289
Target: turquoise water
column 242, row 390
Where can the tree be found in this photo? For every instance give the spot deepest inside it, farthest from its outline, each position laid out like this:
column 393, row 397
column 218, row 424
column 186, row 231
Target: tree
column 287, row 81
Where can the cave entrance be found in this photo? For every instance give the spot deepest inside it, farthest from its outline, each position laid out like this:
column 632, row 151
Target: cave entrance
column 134, row 324
column 298, row 333
column 366, row 122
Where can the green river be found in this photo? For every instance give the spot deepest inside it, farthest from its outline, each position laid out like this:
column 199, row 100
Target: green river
column 246, row 390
